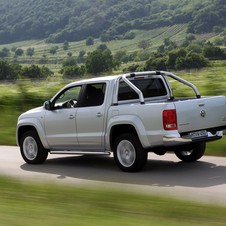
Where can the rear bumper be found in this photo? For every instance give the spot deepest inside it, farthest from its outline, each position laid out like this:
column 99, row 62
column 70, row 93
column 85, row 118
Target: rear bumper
column 176, row 139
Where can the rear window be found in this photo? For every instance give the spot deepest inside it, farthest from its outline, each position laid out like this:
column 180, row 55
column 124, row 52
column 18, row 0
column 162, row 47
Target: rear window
column 150, row 87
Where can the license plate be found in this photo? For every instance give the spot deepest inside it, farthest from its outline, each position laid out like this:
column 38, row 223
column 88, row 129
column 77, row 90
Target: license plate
column 199, row 134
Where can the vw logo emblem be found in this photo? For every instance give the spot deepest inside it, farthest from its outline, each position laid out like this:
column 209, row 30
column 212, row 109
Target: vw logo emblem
column 202, row 113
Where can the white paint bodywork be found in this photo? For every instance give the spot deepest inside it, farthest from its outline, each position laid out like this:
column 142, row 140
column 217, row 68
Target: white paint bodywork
column 89, row 128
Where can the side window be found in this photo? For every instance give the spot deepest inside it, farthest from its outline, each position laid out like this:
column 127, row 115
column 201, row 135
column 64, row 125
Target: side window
column 150, row 87
column 94, row 94
column 68, row 99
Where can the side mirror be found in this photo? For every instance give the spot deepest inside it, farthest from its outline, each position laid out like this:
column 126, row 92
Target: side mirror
column 47, row 105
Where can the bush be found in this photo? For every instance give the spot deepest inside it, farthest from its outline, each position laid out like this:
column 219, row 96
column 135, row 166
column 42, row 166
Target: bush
column 34, row 71
column 194, row 48
column 157, row 61
column 133, row 55
column 30, row 51
column 66, row 45
column 89, row 41
column 191, row 60
column 144, row 55
column 213, row 53
column 125, row 58
column 119, row 54
column 102, row 47
column 69, row 62
column 129, row 35
column 74, row 70
column 100, row 61
column 218, row 41
column 19, row 52
column 53, row 50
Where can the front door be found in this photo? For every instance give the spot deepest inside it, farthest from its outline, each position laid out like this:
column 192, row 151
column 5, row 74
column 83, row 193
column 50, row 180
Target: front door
column 60, row 122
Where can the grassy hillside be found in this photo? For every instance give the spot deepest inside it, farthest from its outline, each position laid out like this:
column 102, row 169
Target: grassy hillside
column 75, row 20
column 176, row 33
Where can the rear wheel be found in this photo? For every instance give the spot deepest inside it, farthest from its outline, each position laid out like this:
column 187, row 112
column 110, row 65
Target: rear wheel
column 190, row 156
column 32, row 149
column 129, row 154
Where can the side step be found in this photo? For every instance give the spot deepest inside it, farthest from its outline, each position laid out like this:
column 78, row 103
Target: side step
column 81, row 152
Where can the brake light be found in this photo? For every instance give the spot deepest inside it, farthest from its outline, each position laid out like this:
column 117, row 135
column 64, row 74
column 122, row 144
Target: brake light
column 170, row 119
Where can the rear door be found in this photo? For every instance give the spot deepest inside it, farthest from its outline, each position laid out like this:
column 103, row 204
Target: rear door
column 90, row 117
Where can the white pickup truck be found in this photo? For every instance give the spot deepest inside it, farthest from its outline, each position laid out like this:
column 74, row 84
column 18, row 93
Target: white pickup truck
column 129, row 115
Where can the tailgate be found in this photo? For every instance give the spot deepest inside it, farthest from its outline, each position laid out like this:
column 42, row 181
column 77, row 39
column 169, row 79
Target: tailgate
column 199, row 114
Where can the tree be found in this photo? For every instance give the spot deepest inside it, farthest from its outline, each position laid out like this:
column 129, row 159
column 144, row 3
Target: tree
column 31, row 72
column 217, row 29
column 218, row 41
column 73, row 71
column 185, row 43
column 190, row 37
column 144, row 44
column 5, row 50
column 144, row 54
column 167, row 41
column 69, row 62
column 161, row 49
column 119, row 54
column 52, row 50
column 19, row 52
column 125, row 58
column 172, row 45
column 13, row 49
column 191, row 60
column 133, row 55
column 66, row 45
column 3, row 54
column 82, row 53
column 30, row 51
column 224, row 40
column 194, row 48
column 102, row 47
column 69, row 54
column 4, row 69
column 173, row 55
column 89, row 41
column 157, row 61
column 34, row 71
column 213, row 53
column 15, row 71
column 99, row 61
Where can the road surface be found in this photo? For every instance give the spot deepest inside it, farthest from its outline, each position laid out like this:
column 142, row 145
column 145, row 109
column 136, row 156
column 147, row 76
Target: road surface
column 204, row 180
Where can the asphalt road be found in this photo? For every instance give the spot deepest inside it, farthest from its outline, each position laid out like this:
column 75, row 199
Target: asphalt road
column 204, row 180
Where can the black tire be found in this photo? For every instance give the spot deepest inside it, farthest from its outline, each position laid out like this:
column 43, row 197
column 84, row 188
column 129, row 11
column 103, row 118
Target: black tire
column 32, row 149
column 193, row 155
column 129, row 154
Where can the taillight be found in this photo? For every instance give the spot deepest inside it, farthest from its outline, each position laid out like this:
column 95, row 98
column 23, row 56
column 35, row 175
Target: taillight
column 170, row 119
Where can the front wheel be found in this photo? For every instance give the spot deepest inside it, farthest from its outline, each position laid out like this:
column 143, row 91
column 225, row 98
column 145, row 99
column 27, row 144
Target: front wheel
column 32, row 149
column 129, row 154
column 190, row 156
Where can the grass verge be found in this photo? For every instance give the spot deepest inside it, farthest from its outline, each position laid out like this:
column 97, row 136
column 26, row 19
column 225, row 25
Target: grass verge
column 42, row 204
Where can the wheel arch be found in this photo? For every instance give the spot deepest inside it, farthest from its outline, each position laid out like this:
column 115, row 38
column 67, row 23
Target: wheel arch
column 34, row 125
column 126, row 124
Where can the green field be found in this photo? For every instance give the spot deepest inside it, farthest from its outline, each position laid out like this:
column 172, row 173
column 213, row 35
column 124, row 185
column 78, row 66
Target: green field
column 44, row 204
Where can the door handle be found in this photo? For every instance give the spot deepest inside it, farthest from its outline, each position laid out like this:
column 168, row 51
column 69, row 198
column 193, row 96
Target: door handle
column 99, row 114
column 71, row 116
